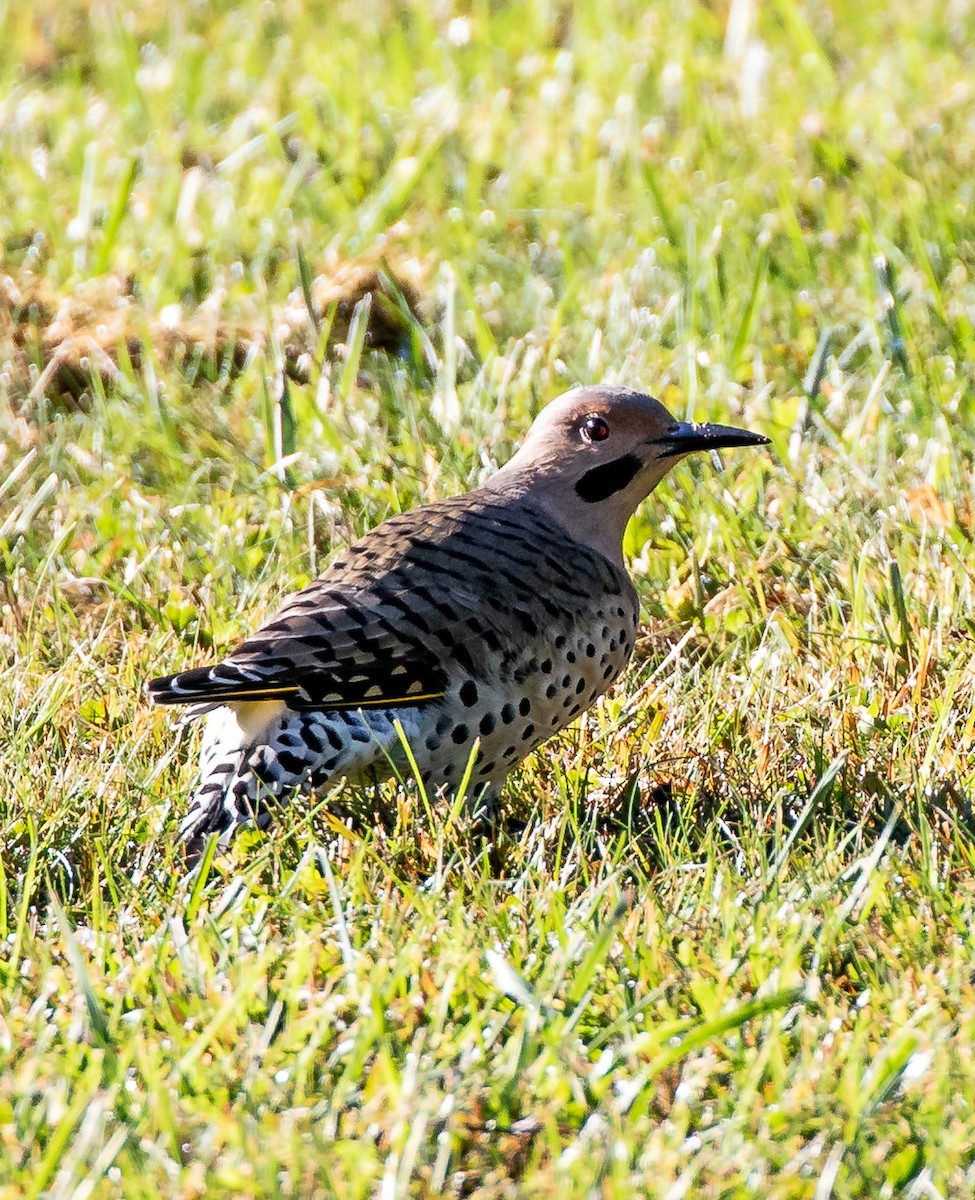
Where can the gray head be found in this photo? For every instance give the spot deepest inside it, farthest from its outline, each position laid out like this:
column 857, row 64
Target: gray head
column 595, row 453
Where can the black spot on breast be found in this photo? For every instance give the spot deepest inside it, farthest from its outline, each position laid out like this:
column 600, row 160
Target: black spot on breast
column 580, row 686
column 508, row 714
column 333, row 738
column 487, row 724
column 528, row 732
column 590, row 651
column 546, row 666
column 600, row 483
column 311, row 738
column 524, row 706
column 433, row 742
column 444, row 722
column 468, row 693
column 460, row 734
column 321, row 775
column 551, row 691
column 291, row 762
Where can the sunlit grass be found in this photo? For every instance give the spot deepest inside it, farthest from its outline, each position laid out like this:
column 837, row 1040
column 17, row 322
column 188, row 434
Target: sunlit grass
column 722, row 944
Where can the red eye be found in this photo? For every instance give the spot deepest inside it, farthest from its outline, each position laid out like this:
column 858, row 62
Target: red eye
column 595, row 429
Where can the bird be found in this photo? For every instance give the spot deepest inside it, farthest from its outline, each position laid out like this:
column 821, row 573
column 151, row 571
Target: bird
column 471, row 628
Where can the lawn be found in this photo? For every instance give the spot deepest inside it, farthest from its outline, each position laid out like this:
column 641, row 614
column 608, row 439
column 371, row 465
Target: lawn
column 271, row 272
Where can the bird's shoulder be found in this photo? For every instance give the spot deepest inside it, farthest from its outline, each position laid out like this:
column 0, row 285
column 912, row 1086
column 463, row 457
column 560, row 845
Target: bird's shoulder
column 475, row 539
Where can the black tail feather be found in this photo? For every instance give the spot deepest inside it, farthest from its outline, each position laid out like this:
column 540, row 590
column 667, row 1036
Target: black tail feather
column 204, row 685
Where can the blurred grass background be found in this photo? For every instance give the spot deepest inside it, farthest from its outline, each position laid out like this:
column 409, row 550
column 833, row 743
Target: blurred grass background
column 273, row 271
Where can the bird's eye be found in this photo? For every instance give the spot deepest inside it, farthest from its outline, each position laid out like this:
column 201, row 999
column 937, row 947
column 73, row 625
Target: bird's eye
column 595, row 429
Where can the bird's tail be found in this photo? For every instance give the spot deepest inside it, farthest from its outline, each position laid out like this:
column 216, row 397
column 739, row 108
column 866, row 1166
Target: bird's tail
column 229, row 795
column 219, row 684
column 212, row 810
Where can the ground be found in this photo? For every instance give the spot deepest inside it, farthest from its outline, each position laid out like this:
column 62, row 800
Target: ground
column 274, row 271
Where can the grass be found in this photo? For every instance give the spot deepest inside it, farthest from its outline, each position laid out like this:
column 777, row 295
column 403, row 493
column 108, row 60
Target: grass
column 271, row 272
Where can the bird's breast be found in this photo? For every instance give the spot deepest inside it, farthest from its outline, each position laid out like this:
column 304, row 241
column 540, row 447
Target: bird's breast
column 511, row 700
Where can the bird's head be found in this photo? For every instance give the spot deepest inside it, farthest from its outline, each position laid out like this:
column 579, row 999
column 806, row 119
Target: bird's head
column 593, row 454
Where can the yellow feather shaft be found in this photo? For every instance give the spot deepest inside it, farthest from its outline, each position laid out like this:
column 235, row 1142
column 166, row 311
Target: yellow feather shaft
column 386, row 701
column 253, row 694
column 379, row 702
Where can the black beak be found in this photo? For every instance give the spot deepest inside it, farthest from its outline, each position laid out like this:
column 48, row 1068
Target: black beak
column 687, row 436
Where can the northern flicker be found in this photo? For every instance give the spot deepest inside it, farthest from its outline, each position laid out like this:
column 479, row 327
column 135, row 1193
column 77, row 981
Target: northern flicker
column 489, row 620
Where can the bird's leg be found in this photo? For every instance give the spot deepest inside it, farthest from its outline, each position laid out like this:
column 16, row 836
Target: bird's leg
column 484, row 806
